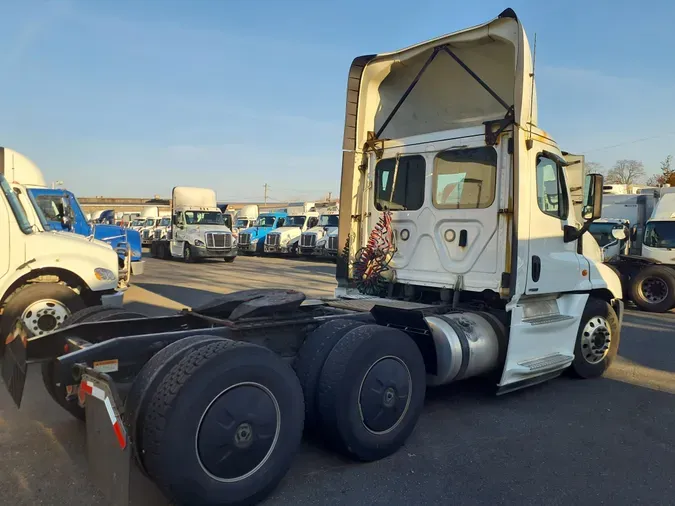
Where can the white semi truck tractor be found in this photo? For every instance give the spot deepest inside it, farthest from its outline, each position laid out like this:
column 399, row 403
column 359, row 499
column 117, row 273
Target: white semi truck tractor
column 459, row 256
column 198, row 230
column 47, row 276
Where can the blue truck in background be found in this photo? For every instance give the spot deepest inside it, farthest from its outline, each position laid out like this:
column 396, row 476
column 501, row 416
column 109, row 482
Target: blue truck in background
column 62, row 212
column 252, row 239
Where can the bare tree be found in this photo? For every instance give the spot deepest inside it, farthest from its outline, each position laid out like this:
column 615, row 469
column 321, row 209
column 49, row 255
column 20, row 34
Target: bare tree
column 626, row 172
column 667, row 175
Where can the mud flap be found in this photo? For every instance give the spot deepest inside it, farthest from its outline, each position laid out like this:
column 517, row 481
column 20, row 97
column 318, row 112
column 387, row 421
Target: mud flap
column 14, row 362
column 108, row 452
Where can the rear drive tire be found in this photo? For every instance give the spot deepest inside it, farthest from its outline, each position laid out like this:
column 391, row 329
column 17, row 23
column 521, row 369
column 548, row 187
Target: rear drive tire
column 231, row 414
column 146, row 382
column 59, row 392
column 653, row 289
column 43, row 307
column 597, row 341
column 371, row 392
column 311, row 358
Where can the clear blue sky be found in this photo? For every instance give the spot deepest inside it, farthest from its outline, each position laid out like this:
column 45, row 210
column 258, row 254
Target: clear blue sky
column 120, row 97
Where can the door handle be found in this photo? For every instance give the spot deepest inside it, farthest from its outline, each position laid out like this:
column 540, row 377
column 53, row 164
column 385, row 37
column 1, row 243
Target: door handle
column 536, row 268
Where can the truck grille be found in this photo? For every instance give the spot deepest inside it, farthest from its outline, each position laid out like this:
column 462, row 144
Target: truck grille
column 146, row 234
column 308, row 240
column 244, row 239
column 158, row 234
column 272, row 239
column 218, row 240
column 332, row 243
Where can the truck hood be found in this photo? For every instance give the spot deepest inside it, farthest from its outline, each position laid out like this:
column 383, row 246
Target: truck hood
column 114, row 235
column 288, row 231
column 256, row 232
column 446, row 97
column 321, row 231
column 202, row 229
column 66, row 243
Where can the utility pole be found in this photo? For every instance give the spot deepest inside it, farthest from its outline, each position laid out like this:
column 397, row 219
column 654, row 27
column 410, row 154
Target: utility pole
column 329, row 195
column 266, row 186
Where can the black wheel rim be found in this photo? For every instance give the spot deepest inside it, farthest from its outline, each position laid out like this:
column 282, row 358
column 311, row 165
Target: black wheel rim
column 654, row 290
column 384, row 396
column 238, row 432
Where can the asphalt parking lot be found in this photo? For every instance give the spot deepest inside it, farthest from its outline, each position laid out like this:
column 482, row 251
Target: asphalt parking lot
column 606, row 441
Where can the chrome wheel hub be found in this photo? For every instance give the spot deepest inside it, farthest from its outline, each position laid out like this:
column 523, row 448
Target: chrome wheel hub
column 596, row 339
column 44, row 315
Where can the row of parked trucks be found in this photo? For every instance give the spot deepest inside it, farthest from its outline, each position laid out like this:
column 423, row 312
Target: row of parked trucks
column 197, row 228
column 461, row 255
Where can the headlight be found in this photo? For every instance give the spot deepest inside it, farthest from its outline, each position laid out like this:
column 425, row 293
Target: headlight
column 284, row 241
column 104, row 274
column 199, row 243
column 253, row 241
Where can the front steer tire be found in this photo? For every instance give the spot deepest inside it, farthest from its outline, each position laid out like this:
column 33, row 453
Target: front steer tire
column 371, row 392
column 30, row 294
column 597, row 341
column 661, row 279
column 223, row 425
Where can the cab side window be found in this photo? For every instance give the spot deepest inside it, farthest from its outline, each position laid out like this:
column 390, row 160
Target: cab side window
column 551, row 194
column 280, row 222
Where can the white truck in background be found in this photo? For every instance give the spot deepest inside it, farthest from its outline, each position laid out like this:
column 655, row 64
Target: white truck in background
column 46, row 276
column 246, row 216
column 636, row 236
column 286, row 240
column 314, row 241
column 198, row 230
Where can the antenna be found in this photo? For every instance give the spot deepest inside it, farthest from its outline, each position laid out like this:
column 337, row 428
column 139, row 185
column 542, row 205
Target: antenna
column 534, row 63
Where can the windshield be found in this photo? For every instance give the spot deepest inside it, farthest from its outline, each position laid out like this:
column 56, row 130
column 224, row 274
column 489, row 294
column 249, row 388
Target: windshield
column 242, row 223
column 165, row 222
column 265, row 221
column 149, row 222
column 602, row 232
column 295, row 221
column 330, row 220
column 660, row 234
column 204, row 218
column 137, row 223
column 16, row 206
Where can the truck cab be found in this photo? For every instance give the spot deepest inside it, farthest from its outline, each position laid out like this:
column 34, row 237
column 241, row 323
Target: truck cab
column 163, row 228
column 612, row 235
column 62, row 212
column 198, row 228
column 314, row 241
column 252, row 239
column 286, row 239
column 451, row 189
column 45, row 276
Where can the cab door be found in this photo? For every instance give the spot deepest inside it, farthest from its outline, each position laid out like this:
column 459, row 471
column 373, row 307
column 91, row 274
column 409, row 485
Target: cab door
column 553, row 265
column 177, row 235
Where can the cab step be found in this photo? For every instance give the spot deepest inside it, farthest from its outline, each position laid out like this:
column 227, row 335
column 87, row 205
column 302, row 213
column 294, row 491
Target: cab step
column 549, row 362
